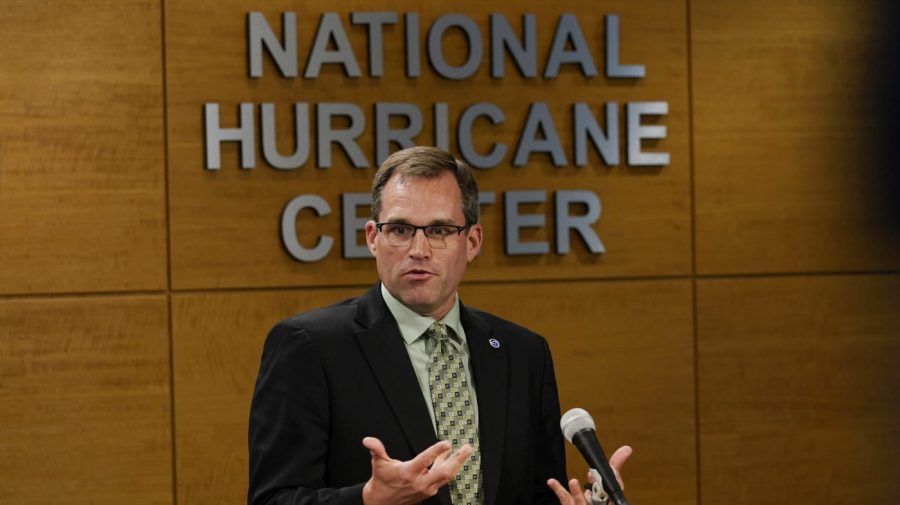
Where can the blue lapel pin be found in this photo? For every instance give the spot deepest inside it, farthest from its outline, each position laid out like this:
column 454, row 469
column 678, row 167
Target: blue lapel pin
column 494, row 343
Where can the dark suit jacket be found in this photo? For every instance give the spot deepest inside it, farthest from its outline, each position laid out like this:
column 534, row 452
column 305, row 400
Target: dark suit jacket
column 332, row 376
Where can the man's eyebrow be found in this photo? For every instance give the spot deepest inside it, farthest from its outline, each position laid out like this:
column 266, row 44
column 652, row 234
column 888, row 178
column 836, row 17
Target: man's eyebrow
column 401, row 220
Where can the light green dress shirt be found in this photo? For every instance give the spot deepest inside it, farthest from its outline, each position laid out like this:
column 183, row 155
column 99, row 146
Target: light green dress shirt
column 412, row 328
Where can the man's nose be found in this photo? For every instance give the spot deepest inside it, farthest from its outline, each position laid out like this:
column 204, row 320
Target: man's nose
column 419, row 246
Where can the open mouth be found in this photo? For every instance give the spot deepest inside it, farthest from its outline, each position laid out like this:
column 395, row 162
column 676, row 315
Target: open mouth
column 418, row 274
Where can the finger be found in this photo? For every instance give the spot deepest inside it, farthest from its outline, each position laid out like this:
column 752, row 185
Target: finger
column 618, row 459
column 561, row 494
column 577, row 493
column 375, row 447
column 447, row 466
column 444, row 456
column 427, row 457
column 463, row 453
column 452, row 462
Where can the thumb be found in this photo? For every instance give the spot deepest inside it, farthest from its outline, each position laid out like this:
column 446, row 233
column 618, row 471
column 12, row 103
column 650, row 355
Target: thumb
column 617, row 460
column 375, row 447
column 619, row 457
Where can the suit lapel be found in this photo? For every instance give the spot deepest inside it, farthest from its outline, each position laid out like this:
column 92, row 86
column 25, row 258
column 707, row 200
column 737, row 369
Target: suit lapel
column 383, row 346
column 384, row 349
column 489, row 367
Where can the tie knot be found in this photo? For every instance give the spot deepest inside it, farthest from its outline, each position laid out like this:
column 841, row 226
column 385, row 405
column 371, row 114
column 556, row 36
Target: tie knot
column 438, row 331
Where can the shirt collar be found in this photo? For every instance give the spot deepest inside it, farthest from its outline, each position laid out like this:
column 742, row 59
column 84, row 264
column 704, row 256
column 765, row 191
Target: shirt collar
column 412, row 325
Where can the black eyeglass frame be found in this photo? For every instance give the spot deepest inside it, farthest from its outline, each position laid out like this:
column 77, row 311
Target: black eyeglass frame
column 459, row 229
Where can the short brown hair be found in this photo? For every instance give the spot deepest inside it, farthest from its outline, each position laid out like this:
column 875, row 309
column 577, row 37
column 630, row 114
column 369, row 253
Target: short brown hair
column 427, row 162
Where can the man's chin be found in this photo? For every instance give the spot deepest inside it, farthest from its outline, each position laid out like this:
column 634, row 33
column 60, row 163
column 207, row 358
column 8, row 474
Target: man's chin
column 421, row 306
column 421, row 303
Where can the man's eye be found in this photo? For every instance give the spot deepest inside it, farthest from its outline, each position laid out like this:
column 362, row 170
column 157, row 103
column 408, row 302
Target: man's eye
column 400, row 230
column 439, row 231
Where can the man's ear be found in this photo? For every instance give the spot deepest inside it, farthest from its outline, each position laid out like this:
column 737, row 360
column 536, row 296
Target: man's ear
column 473, row 241
column 371, row 235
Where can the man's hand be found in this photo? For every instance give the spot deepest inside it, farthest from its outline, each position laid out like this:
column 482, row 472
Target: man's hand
column 574, row 495
column 396, row 482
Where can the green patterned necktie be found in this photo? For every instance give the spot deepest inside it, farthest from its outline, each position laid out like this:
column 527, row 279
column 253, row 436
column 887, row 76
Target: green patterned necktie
column 454, row 413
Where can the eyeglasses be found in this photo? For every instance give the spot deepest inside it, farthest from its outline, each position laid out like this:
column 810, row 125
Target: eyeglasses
column 401, row 234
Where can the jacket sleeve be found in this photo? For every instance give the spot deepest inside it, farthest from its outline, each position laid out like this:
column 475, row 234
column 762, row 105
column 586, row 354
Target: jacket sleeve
column 288, row 436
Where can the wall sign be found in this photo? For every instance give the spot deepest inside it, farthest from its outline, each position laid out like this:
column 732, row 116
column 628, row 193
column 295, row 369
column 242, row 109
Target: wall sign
column 255, row 131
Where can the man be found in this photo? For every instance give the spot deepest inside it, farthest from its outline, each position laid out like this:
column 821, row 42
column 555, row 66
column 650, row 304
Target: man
column 404, row 395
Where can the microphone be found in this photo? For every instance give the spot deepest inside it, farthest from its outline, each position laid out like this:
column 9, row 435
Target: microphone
column 579, row 429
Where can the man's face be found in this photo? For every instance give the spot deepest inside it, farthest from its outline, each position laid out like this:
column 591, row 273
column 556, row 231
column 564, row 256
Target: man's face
column 423, row 278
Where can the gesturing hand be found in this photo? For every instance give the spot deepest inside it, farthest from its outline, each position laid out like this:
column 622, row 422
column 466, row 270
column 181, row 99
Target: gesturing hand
column 575, row 495
column 395, row 482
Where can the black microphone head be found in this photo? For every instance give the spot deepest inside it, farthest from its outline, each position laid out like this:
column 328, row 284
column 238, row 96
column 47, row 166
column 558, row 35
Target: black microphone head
column 574, row 421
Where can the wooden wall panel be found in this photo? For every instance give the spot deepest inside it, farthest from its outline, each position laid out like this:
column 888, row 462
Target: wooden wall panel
column 225, row 223
column 796, row 374
column 622, row 350
column 81, row 147
column 84, row 401
column 217, row 344
column 798, row 389
column 788, row 168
